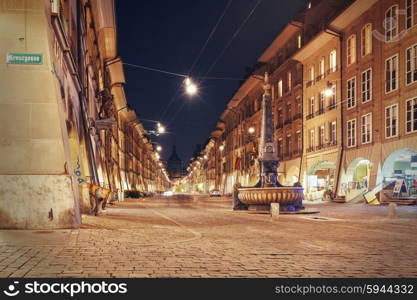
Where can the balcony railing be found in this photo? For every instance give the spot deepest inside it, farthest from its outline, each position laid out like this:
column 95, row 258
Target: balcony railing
column 310, row 116
column 296, row 152
column 311, row 149
column 331, row 144
column 320, row 77
column 319, row 112
column 280, row 125
column 320, row 146
column 331, row 106
column 331, row 70
column 298, row 116
column 288, row 121
column 310, row 83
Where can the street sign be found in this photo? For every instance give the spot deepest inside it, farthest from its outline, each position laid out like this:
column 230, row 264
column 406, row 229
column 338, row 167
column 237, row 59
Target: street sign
column 24, row 58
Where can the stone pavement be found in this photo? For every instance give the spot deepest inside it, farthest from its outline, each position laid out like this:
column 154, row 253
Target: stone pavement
column 203, row 238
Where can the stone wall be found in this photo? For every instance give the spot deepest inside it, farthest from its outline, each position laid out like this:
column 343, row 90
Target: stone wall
column 35, row 191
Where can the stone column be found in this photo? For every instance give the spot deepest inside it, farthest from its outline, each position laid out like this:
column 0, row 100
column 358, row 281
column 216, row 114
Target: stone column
column 268, row 158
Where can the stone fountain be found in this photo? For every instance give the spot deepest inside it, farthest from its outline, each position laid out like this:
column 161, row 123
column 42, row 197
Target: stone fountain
column 268, row 190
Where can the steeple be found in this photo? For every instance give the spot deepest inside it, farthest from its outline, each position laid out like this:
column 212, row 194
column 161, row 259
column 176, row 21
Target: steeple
column 174, row 156
column 174, row 164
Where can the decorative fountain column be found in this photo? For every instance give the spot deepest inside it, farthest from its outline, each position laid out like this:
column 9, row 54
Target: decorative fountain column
column 268, row 158
column 268, row 190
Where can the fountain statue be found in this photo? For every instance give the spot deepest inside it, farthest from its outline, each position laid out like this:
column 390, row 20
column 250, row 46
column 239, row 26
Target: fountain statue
column 268, row 190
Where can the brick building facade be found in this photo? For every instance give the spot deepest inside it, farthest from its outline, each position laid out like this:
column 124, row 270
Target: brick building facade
column 345, row 108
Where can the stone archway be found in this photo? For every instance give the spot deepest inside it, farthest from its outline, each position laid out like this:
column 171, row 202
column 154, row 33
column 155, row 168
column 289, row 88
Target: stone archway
column 292, row 175
column 355, row 181
column 320, row 178
column 401, row 164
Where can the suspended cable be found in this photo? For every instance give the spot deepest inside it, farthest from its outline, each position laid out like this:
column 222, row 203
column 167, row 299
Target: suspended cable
column 175, row 114
column 181, row 75
column 155, row 70
column 198, row 57
column 233, row 37
column 227, row 45
column 210, row 36
column 218, row 78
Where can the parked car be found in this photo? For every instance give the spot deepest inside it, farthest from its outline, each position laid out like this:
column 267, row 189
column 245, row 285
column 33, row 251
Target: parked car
column 215, row 193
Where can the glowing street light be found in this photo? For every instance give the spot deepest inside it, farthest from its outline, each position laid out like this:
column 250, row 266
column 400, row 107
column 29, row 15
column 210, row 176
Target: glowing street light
column 160, row 128
column 251, row 130
column 221, row 148
column 328, row 92
column 190, row 87
column 159, row 148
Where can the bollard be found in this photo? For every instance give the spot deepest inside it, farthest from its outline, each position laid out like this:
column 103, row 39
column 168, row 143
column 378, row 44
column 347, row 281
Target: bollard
column 275, row 211
column 392, row 210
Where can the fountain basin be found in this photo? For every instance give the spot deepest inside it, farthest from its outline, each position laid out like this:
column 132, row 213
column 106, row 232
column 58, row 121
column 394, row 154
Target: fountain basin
column 286, row 195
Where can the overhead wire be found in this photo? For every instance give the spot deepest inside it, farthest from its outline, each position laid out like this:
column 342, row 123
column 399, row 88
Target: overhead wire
column 198, row 56
column 235, row 34
column 181, row 75
column 155, row 70
column 210, row 35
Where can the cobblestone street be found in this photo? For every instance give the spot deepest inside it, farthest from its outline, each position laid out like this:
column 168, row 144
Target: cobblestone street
column 204, row 238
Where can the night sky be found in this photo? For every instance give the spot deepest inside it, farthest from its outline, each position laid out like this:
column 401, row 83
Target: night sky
column 168, row 35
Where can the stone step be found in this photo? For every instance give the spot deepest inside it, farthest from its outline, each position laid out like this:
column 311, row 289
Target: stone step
column 400, row 201
column 388, row 198
column 340, row 199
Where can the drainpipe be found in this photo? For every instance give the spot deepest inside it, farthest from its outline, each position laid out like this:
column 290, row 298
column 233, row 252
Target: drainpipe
column 83, row 96
column 90, row 150
column 342, row 137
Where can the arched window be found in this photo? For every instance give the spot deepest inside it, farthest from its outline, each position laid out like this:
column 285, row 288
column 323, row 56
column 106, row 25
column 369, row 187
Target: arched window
column 332, row 61
column 351, row 49
column 391, row 23
column 366, row 39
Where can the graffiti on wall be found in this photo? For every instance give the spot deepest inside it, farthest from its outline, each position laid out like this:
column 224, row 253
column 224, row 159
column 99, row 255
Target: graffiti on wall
column 78, row 172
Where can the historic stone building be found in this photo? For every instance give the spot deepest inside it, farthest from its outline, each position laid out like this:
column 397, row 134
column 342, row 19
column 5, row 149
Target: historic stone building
column 242, row 113
column 65, row 123
column 351, row 66
column 321, row 113
column 286, row 78
column 174, row 165
column 238, row 136
column 379, row 78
